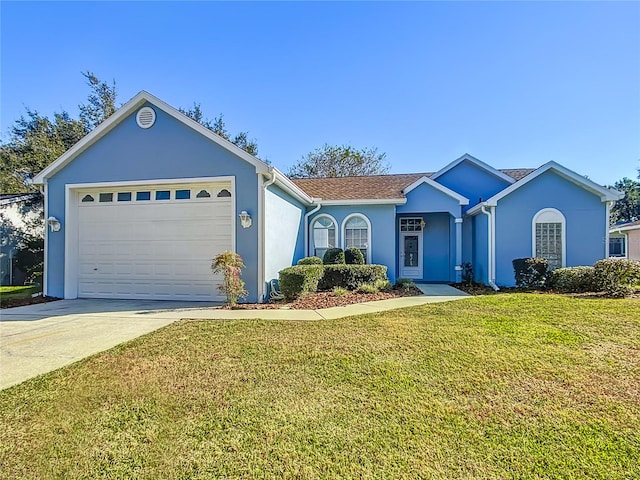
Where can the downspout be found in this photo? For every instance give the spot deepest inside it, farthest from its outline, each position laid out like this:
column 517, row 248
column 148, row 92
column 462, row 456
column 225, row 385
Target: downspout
column 608, row 220
column 263, row 235
column 306, row 223
column 490, row 247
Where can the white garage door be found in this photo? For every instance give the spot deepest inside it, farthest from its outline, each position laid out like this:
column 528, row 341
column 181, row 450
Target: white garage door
column 153, row 242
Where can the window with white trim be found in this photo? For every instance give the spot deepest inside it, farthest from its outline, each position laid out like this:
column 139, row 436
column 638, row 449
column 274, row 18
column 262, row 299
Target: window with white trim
column 356, row 234
column 549, row 237
column 323, row 235
column 617, row 246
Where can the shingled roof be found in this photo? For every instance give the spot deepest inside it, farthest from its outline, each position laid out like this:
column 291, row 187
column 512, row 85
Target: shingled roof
column 374, row 186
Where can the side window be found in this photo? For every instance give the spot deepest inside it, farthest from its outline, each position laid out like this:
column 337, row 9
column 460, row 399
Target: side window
column 323, row 235
column 549, row 237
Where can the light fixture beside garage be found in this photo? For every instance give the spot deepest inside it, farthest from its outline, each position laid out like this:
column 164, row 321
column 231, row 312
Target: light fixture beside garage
column 245, row 219
column 54, row 224
column 146, row 117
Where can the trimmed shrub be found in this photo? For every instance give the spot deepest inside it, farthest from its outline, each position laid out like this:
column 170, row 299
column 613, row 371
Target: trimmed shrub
column 299, row 280
column 573, row 279
column 367, row 288
column 310, row 261
column 617, row 276
column 353, row 256
column 531, row 272
column 351, row 276
column 333, row 256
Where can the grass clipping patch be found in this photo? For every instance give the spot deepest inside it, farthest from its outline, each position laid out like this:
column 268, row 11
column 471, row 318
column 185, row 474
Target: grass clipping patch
column 521, row 385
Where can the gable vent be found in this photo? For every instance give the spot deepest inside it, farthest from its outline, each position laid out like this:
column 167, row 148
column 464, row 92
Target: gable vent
column 146, row 117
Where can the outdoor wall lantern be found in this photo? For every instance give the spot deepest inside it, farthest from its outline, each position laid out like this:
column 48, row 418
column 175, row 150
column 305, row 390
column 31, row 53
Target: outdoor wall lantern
column 245, row 219
column 422, row 224
column 54, row 224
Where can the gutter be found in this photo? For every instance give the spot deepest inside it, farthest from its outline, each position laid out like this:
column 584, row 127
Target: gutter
column 306, row 223
column 491, row 246
column 262, row 240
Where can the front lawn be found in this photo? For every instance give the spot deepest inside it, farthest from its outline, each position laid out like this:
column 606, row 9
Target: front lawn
column 8, row 293
column 504, row 386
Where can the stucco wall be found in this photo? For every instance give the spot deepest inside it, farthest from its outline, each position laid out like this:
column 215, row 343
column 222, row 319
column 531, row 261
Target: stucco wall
column 585, row 218
column 284, row 233
column 480, row 249
column 633, row 244
column 169, row 149
column 426, row 198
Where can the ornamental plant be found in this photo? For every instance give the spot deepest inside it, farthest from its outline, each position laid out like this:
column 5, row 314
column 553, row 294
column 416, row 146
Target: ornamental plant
column 229, row 264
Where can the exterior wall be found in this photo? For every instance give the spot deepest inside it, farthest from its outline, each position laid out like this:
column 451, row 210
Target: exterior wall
column 426, row 198
column 633, row 244
column 382, row 219
column 480, row 248
column 169, row 149
column 284, row 231
column 467, row 240
column 472, row 182
column 585, row 214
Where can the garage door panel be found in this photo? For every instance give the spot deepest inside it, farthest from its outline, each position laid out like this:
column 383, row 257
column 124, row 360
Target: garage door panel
column 152, row 249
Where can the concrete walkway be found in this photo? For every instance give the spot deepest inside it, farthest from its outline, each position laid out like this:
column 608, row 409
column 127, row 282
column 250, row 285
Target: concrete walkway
column 37, row 339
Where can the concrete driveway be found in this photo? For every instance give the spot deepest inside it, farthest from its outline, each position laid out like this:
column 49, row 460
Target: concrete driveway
column 37, row 339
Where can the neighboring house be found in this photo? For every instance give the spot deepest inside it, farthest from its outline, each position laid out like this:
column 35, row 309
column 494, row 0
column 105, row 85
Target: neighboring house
column 145, row 201
column 16, row 211
column 624, row 240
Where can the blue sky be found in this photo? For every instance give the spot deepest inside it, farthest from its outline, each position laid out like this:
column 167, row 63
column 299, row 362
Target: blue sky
column 514, row 84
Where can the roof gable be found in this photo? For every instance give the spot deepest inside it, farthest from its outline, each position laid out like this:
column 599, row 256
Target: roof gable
column 605, row 194
column 123, row 112
column 427, row 181
column 474, row 161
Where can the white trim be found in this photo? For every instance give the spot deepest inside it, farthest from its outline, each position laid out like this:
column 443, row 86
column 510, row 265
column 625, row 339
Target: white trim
column 71, row 220
column 344, row 235
column 141, row 112
column 622, row 228
column 401, row 268
column 263, row 186
column 313, row 220
column 491, row 247
column 563, row 234
column 458, row 220
column 290, row 187
column 605, row 194
column 478, row 163
column 365, row 201
column 306, row 225
column 456, row 196
column 606, row 235
column 124, row 111
column 625, row 237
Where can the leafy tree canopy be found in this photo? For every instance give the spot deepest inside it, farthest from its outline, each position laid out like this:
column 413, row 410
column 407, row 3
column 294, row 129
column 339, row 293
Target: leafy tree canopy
column 340, row 161
column 627, row 209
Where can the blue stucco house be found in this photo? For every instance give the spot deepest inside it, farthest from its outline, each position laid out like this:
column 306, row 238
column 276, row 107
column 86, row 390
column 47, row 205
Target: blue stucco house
column 138, row 208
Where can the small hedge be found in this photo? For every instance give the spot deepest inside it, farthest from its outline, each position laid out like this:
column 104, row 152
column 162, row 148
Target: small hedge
column 617, row 276
column 310, row 261
column 333, row 256
column 573, row 279
column 351, row 276
column 353, row 256
column 299, row 280
column 531, row 272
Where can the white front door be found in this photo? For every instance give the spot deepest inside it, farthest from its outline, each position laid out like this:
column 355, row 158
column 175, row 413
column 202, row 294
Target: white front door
column 410, row 260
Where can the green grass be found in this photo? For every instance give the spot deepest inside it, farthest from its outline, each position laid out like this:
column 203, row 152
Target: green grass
column 12, row 293
column 506, row 386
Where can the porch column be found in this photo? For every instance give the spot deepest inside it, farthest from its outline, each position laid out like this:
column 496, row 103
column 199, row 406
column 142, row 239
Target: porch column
column 458, row 250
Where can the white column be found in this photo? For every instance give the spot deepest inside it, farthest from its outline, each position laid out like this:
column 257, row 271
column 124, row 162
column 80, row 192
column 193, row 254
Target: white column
column 458, row 249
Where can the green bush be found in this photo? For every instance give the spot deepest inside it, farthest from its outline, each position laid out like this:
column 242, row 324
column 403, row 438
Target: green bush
column 367, row 288
column 299, row 280
column 404, row 283
column 383, row 285
column 617, row 276
column 351, row 276
column 467, row 273
column 339, row 291
column 353, row 256
column 230, row 265
column 310, row 261
column 573, row 279
column 333, row 256
column 531, row 272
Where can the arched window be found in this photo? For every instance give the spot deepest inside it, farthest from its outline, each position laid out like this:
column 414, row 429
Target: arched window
column 549, row 237
column 357, row 233
column 323, row 235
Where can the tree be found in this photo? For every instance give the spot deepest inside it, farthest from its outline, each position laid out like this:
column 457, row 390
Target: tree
column 627, row 209
column 218, row 126
column 101, row 103
column 340, row 161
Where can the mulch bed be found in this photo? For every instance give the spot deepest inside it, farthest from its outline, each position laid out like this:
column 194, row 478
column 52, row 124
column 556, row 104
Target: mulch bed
column 314, row 301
